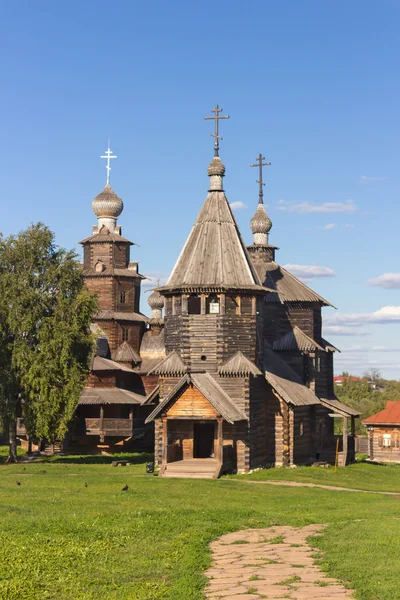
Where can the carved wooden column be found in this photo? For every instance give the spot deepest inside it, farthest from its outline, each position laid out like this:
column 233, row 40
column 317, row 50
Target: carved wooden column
column 345, row 441
column 101, row 424
column 164, row 441
column 220, row 450
column 222, row 304
column 185, row 308
column 254, row 306
column 203, row 304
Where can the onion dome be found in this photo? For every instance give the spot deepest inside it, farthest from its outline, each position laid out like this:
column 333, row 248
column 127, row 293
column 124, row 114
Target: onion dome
column 260, row 225
column 107, row 204
column 216, row 167
column 156, row 301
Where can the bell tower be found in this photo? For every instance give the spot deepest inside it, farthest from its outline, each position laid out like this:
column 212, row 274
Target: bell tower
column 212, row 293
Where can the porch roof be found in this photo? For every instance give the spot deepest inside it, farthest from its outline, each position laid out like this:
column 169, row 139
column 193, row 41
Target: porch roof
column 340, row 407
column 99, row 395
column 211, row 390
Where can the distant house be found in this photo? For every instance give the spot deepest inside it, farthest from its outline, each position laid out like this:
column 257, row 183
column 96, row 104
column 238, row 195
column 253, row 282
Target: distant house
column 341, row 379
column 384, row 433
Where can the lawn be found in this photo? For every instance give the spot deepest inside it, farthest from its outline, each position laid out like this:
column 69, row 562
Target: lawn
column 361, row 476
column 62, row 539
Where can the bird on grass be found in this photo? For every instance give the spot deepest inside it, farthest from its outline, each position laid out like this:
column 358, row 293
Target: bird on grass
column 18, row 482
column 125, row 488
column 42, row 471
column 86, row 483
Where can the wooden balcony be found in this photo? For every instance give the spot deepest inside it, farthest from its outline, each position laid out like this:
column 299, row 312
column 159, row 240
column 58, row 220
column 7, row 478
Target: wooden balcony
column 108, row 427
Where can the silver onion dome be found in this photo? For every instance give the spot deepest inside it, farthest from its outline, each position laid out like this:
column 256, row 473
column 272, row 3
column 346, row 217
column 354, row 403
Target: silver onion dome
column 155, row 300
column 260, row 222
column 216, row 167
column 107, row 204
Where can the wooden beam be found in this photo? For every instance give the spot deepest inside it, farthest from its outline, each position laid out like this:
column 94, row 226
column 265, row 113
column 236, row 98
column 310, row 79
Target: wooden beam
column 164, row 441
column 203, row 304
column 220, row 456
column 345, row 441
column 222, row 304
column 185, row 299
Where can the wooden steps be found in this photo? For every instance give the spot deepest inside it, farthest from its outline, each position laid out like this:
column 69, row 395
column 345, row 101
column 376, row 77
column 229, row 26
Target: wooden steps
column 194, row 468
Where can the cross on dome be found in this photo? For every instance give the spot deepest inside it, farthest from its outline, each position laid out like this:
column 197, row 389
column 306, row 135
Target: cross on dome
column 260, row 164
column 108, row 155
column 216, row 118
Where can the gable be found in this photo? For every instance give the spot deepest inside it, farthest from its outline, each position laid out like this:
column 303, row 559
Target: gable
column 191, row 404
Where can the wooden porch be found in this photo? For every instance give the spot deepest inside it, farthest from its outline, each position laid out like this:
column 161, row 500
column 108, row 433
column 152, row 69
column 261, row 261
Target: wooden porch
column 192, row 468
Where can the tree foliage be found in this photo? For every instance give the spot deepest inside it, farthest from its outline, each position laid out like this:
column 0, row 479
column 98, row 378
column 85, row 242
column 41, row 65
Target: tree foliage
column 359, row 395
column 45, row 341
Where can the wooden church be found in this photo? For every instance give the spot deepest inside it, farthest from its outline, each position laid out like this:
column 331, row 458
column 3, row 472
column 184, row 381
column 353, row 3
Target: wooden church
column 247, row 380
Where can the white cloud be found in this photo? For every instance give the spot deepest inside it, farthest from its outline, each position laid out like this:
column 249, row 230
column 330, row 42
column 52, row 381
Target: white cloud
column 237, row 205
column 343, row 331
column 386, row 314
column 388, row 281
column 328, row 227
column 357, row 349
column 326, row 207
column 307, row 272
column 366, row 179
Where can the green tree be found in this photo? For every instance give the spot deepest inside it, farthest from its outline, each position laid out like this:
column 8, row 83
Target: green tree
column 45, row 340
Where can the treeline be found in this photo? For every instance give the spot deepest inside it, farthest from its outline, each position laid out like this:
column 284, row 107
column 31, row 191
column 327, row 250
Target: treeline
column 360, row 395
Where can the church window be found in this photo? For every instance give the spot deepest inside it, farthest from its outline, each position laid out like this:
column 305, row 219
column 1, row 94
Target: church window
column 125, row 334
column 213, row 305
column 194, row 305
column 122, row 297
column 317, row 363
column 387, row 440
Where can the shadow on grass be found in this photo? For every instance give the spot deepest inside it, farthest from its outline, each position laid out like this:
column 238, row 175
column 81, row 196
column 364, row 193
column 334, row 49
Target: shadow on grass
column 135, row 458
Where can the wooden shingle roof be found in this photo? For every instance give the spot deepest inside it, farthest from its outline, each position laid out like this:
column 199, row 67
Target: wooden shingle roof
column 285, row 381
column 287, row 287
column 214, row 255
column 238, row 365
column 125, row 353
column 211, row 390
column 296, row 340
column 171, row 366
column 99, row 395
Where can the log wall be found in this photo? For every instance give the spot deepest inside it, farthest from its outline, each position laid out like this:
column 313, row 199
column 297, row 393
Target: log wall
column 377, row 450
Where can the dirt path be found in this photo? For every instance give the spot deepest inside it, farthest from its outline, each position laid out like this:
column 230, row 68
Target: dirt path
column 272, row 563
column 314, row 485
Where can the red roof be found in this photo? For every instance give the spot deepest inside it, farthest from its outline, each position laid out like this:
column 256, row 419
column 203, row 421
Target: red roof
column 388, row 416
column 341, row 378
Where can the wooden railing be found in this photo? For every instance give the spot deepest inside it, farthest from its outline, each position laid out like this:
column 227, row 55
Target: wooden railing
column 106, row 426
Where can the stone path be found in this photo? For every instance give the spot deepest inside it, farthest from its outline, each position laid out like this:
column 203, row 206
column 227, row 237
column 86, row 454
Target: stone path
column 269, row 563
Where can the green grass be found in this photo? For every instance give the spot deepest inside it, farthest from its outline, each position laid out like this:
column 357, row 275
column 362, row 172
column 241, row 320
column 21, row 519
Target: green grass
column 361, row 476
column 62, row 540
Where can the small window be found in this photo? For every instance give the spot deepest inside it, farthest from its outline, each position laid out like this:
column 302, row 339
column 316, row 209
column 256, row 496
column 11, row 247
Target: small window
column 125, row 334
column 213, row 305
column 317, row 364
column 194, row 305
column 387, row 440
column 301, row 428
column 122, row 298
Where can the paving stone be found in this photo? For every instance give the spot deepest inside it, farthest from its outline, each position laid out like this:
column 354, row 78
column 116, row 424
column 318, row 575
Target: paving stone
column 238, row 568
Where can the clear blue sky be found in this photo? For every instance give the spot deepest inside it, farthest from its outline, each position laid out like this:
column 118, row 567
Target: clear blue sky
column 312, row 85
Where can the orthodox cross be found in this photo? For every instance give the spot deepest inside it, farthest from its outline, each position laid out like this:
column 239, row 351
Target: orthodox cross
column 216, row 118
column 108, row 155
column 260, row 165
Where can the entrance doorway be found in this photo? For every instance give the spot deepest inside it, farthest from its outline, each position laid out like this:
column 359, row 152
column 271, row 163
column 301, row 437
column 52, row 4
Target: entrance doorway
column 203, row 442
